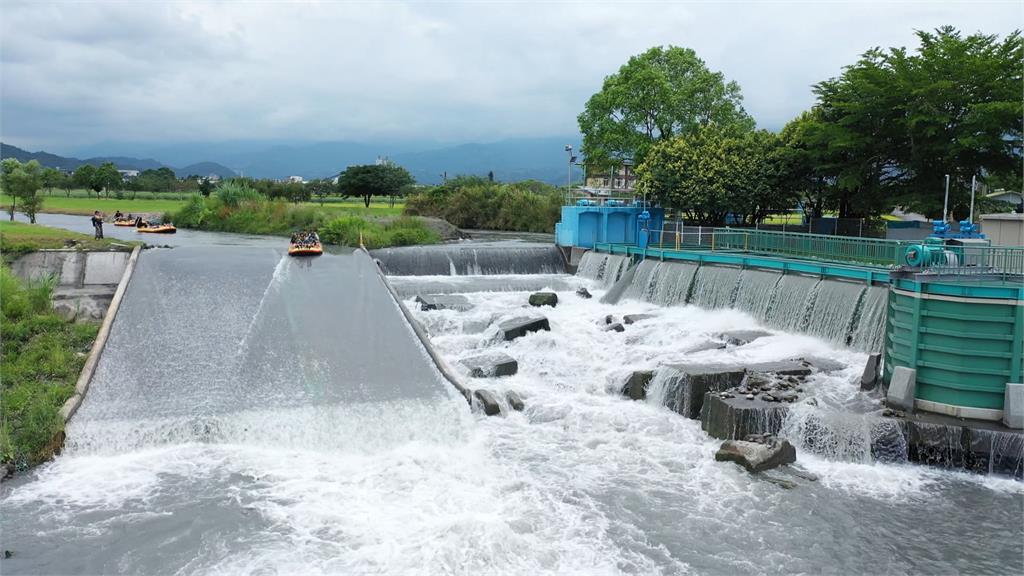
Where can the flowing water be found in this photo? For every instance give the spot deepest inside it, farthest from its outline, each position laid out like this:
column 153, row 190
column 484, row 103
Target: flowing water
column 656, row 501
column 606, row 269
column 256, row 414
column 472, row 258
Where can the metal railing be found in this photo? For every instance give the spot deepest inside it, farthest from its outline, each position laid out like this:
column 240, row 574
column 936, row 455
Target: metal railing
column 869, row 251
column 1005, row 263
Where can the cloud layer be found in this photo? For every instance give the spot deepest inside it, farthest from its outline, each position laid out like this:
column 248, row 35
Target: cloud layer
column 78, row 73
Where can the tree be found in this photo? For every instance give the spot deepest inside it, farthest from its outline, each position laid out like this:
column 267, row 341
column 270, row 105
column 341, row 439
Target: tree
column 85, row 176
column 22, row 181
column 108, row 178
column 655, row 96
column 373, row 180
column 205, row 187
column 715, row 172
column 895, row 122
column 50, row 178
column 321, row 189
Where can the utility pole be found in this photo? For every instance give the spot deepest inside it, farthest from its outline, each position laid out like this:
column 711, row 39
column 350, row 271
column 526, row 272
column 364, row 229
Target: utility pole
column 568, row 182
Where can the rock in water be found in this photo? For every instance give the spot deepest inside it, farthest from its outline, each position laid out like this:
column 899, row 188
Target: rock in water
column 616, row 327
column 518, row 327
column 487, row 402
column 742, row 337
column 756, row 457
column 544, row 299
column 584, row 293
column 491, row 365
column 631, row 318
column 636, row 387
column 443, row 302
column 515, row 401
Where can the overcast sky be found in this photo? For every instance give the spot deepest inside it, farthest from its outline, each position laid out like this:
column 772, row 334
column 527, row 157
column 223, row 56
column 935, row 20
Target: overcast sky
column 79, row 73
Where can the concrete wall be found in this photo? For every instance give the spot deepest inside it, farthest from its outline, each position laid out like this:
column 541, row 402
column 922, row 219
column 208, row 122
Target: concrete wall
column 86, row 281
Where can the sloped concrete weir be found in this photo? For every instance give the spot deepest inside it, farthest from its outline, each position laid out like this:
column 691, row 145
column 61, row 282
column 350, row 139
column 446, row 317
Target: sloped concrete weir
column 231, row 378
column 472, row 258
column 202, row 335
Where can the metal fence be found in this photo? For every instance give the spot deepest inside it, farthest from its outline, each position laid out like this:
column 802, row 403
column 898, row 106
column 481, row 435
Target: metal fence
column 1004, row 262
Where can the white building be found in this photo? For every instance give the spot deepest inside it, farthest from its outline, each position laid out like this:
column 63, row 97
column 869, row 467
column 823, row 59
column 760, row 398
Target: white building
column 128, row 174
column 295, row 180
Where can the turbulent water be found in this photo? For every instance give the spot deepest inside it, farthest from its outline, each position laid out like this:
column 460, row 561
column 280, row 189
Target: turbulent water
column 841, row 312
column 643, row 486
column 265, row 415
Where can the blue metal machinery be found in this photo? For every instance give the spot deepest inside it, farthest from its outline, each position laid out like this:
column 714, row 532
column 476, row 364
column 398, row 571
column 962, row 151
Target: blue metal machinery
column 942, row 229
column 595, row 220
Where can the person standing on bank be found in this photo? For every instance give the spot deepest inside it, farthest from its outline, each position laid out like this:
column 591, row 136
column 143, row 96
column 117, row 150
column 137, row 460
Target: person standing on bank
column 97, row 224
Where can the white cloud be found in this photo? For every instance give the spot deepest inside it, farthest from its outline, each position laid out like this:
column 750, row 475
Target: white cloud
column 76, row 73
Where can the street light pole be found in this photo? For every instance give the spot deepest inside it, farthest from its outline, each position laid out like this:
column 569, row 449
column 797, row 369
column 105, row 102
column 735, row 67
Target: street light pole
column 945, row 203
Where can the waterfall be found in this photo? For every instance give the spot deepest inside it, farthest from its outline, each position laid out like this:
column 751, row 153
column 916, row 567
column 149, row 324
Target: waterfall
column 794, row 297
column 835, row 305
column 715, row 287
column 846, row 436
column 605, row 268
column 471, row 259
column 842, row 312
column 869, row 326
column 755, row 292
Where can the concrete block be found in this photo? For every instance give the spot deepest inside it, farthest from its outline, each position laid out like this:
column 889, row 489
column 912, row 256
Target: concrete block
column 485, row 400
column 902, row 389
column 742, row 337
column 491, row 365
column 517, row 327
column 869, row 379
column 636, row 386
column 633, row 318
column 1013, row 406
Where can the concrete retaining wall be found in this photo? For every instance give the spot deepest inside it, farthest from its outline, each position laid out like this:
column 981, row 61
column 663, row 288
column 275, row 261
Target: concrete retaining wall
column 86, row 281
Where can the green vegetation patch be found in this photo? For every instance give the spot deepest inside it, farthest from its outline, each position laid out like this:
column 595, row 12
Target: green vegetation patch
column 476, row 203
column 41, row 356
column 17, row 238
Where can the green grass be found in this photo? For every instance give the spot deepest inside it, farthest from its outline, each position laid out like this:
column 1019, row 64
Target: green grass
column 40, row 358
column 17, row 238
column 149, row 202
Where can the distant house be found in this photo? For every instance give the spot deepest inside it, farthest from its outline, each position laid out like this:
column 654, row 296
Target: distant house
column 127, row 175
column 295, row 180
column 213, row 178
column 611, row 182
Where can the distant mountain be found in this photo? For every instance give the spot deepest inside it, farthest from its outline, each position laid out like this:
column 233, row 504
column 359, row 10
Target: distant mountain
column 541, row 159
column 205, row 169
column 122, row 162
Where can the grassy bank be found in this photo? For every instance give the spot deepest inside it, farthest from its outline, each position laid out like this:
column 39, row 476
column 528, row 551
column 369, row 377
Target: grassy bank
column 149, row 202
column 17, row 238
column 239, row 209
column 475, row 203
column 41, row 357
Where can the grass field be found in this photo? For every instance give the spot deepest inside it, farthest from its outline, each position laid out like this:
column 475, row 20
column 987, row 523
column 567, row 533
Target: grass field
column 59, row 204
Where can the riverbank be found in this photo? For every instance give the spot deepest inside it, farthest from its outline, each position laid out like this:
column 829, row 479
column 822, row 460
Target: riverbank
column 19, row 238
column 42, row 357
column 242, row 211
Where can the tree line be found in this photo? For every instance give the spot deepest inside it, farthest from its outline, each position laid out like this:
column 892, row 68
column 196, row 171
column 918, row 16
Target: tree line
column 882, row 134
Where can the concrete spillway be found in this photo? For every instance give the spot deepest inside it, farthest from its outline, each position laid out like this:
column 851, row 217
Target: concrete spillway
column 472, row 258
column 205, row 334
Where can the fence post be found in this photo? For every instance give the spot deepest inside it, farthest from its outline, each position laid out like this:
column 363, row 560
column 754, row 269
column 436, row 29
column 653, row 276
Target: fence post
column 860, row 231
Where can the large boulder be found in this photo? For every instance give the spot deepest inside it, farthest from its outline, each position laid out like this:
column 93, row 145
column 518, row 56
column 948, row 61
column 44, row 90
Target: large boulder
column 515, row 401
column 491, row 365
column 544, row 299
column 584, row 293
column 782, row 367
column 757, row 456
column 443, row 302
column 518, row 327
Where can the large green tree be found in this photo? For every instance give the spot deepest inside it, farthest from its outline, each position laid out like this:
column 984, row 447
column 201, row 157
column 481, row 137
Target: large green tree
column 715, row 172
column 22, row 182
column 85, row 176
column 373, row 180
column 108, row 178
column 896, row 122
column 655, row 96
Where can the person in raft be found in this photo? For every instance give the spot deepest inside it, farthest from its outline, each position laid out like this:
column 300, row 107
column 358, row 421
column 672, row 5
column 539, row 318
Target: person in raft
column 97, row 224
column 118, row 215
